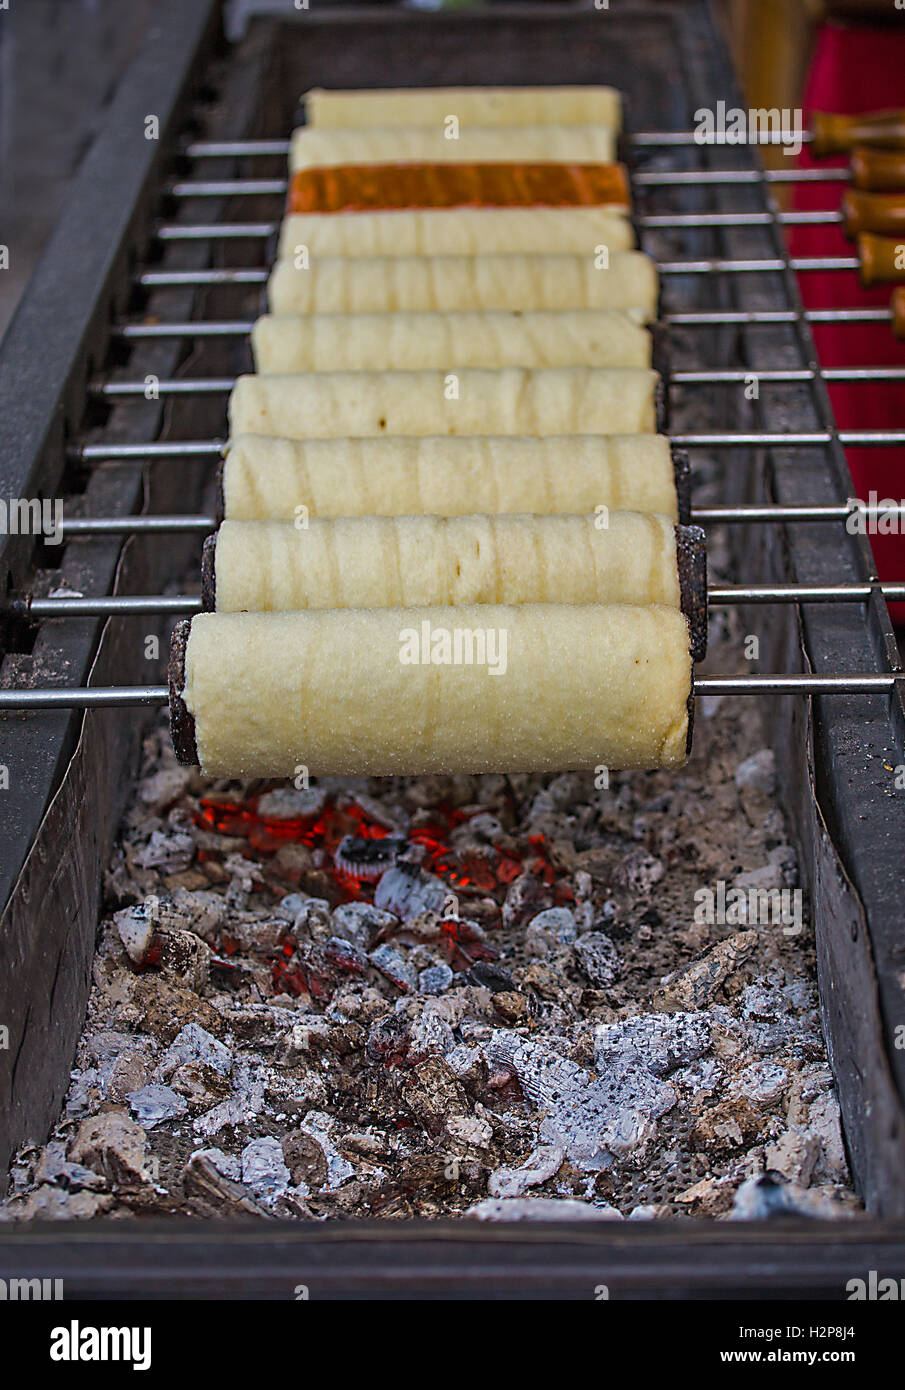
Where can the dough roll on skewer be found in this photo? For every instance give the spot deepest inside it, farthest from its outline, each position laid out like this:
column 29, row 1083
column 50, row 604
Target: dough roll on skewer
column 407, row 691
column 566, row 144
column 409, row 342
column 412, row 561
column 508, row 184
column 390, row 284
column 513, row 400
column 482, row 106
column 265, row 477
column 456, row 232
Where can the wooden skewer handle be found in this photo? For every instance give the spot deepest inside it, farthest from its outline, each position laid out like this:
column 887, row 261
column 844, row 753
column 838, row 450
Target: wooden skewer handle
column 834, row 134
column 882, row 259
column 878, row 171
column 883, row 213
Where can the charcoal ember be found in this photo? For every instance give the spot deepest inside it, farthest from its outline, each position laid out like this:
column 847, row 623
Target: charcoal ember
column 291, row 803
column 466, row 940
column 659, row 1042
column 435, row 979
column 524, row 896
column 362, row 924
column 469, row 1135
column 199, row 910
column 597, row 959
column 55, row 1168
column 199, row 1085
column 389, row 1041
column 761, row 1084
column 159, row 791
column 511, row 1005
column 169, row 851
column 694, row 985
column 430, row 1035
column 186, row 958
column 307, row 915
column 305, row 1159
column 124, row 1061
column 212, row 1193
column 757, row 772
column 394, row 966
column 263, row 938
column 542, row 1164
column 769, row 1196
column 495, row 977
column 346, row 956
column 433, row 1094
column 430, row 1172
column 261, row 1025
column 406, row 890
column 550, row 932
column 481, row 828
column 293, row 861
column 794, row 1155
column 323, row 1127
column 304, row 1040
column 264, row 1170
column 113, row 1145
column 469, row 1068
column 296, row 1094
column 49, row 1203
column 367, row 859
column 137, row 928
column 155, row 1103
column 194, row 1044
column 594, row 1121
column 638, row 872
column 390, row 815
column 541, row 1209
column 547, row 979
column 368, row 1143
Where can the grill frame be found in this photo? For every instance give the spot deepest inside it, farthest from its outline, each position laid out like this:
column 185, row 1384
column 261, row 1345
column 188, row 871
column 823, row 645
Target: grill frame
column 852, row 884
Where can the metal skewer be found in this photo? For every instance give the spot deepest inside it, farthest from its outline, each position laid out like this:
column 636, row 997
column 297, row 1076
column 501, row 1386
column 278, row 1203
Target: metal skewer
column 233, row 231
column 243, row 188
column 241, row 328
column 130, row 605
column 220, row 275
column 746, row 513
column 88, row 697
column 212, row 386
column 195, row 448
column 241, row 149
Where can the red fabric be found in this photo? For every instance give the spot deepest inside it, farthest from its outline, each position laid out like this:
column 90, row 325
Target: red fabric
column 856, row 70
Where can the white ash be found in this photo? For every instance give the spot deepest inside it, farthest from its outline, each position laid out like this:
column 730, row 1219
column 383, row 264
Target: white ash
column 562, row 1040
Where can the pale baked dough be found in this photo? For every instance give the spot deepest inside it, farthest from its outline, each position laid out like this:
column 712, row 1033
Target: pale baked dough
column 578, row 687
column 410, row 561
column 483, row 106
column 409, row 342
column 456, row 232
column 542, row 144
column 388, row 284
column 513, row 400
column 449, row 476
